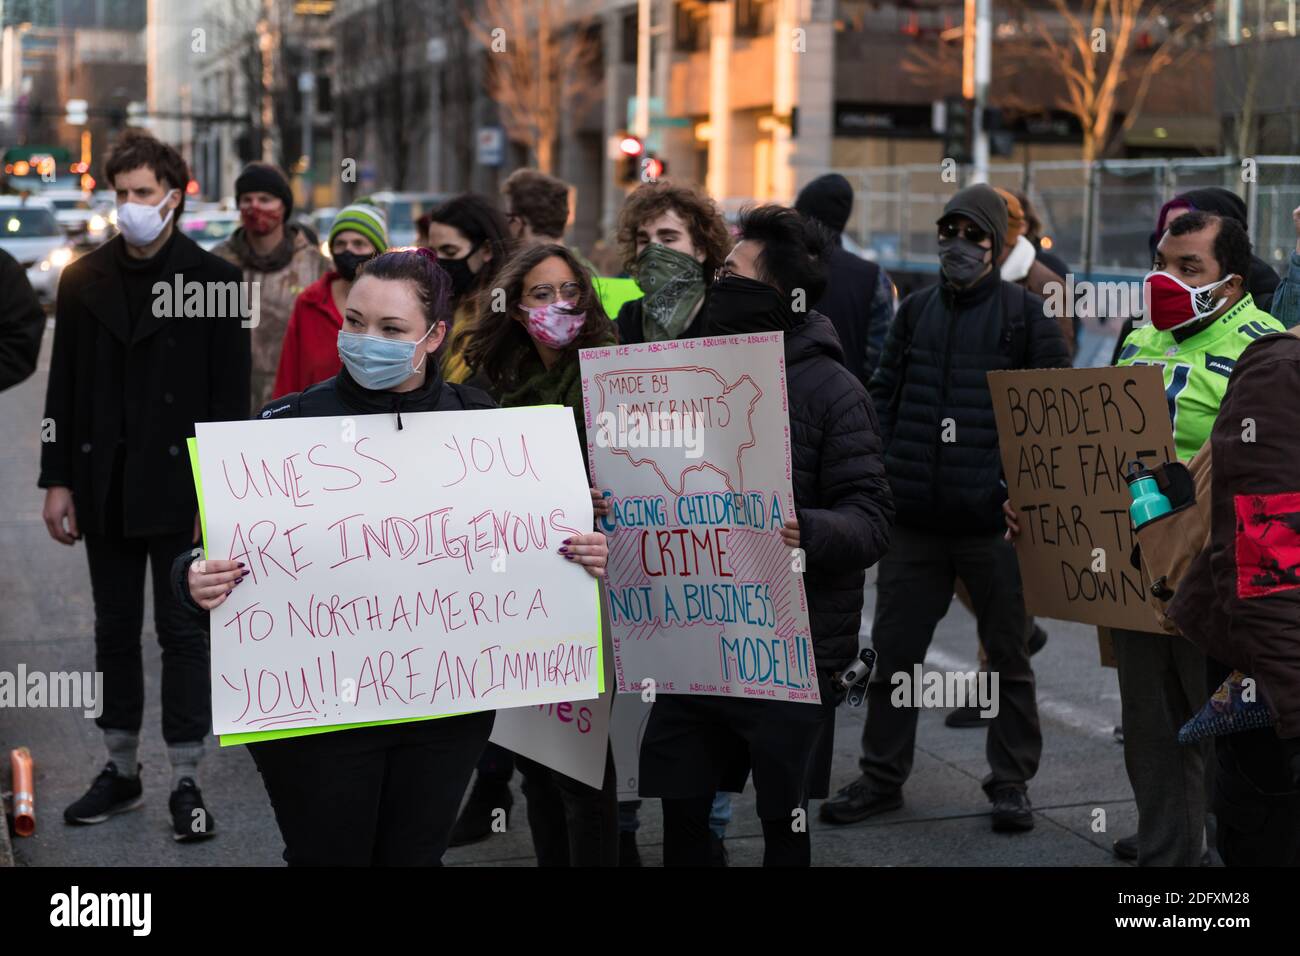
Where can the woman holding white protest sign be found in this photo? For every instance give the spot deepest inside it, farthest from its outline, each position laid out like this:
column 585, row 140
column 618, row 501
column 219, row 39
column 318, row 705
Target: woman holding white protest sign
column 388, row 794
column 527, row 354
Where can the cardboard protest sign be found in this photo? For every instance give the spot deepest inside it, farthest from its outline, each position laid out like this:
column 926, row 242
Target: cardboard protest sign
column 1067, row 437
column 689, row 440
column 396, row 574
column 571, row 737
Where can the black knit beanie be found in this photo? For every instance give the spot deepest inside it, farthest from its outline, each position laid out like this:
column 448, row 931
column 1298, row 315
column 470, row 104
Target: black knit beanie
column 265, row 178
column 828, row 199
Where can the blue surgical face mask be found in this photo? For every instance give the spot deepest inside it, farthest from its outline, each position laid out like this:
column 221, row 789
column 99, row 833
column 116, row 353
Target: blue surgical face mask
column 378, row 363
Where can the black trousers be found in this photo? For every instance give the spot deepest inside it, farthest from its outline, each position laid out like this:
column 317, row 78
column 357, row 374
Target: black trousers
column 572, row 824
column 372, row 796
column 688, row 841
column 117, row 567
column 914, row 588
column 1256, row 806
column 496, row 766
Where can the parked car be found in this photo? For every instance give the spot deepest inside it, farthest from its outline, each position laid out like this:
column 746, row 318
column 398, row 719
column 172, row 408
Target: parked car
column 77, row 216
column 29, row 231
column 403, row 209
column 209, row 227
column 320, row 220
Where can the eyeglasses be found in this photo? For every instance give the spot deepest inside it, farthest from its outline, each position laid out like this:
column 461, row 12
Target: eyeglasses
column 972, row 232
column 545, row 294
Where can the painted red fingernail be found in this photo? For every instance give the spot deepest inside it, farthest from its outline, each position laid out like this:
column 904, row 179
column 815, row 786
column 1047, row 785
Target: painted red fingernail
column 567, row 541
column 564, row 550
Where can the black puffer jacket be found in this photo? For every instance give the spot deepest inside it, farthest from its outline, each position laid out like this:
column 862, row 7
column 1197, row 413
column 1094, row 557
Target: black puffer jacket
column 957, row 337
column 841, row 496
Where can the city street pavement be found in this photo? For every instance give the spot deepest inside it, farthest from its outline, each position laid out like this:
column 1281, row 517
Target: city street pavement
column 46, row 623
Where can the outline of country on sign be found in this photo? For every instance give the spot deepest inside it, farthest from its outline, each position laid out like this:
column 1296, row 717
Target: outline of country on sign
column 721, row 398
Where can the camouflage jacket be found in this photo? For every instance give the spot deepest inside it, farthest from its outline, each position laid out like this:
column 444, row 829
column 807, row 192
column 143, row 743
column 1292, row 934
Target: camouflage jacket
column 278, row 290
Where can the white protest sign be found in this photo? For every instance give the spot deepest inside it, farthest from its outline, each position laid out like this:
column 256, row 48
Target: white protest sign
column 690, row 442
column 571, row 737
column 397, row 573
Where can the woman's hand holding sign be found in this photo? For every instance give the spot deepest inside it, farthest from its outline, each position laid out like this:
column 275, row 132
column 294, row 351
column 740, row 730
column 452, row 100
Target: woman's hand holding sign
column 211, row 581
column 589, row 550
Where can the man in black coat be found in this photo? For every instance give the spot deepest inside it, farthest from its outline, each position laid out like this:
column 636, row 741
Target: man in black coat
column 151, row 335
column 941, row 453
column 859, row 296
column 843, row 515
column 22, row 323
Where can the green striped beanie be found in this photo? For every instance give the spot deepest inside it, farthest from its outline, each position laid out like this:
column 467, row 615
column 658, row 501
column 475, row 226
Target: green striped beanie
column 363, row 217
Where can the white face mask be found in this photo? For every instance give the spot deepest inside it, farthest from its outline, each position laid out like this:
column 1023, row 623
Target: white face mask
column 140, row 224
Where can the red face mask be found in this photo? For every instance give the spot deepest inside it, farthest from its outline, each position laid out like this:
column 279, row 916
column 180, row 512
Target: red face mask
column 1172, row 303
column 260, row 222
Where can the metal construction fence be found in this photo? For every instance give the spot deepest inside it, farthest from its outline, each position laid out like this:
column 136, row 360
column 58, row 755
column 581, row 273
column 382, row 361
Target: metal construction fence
column 1096, row 217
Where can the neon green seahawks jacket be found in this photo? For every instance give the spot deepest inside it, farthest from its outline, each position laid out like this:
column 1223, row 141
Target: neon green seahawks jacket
column 1196, row 370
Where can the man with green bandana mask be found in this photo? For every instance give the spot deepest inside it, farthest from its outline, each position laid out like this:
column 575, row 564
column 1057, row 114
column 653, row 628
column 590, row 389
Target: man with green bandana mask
column 671, row 238
column 673, row 283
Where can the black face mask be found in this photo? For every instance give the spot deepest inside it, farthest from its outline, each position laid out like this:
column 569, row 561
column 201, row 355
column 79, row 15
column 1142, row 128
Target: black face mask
column 961, row 261
column 738, row 305
column 347, row 263
column 461, row 275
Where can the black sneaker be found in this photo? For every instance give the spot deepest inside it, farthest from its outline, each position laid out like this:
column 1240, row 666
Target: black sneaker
column 475, row 822
column 1126, row 848
column 190, row 818
column 1037, row 640
column 628, row 854
column 110, row 793
column 1011, row 811
column 965, row 717
column 717, row 850
column 858, row 801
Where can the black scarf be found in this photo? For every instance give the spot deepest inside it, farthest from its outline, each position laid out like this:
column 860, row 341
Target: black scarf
column 737, row 306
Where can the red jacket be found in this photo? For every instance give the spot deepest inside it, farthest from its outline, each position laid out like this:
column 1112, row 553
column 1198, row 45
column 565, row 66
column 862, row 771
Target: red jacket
column 310, row 353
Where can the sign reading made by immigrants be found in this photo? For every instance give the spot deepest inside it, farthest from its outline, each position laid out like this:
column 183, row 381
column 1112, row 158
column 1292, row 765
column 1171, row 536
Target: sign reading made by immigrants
column 397, row 574
column 689, row 440
column 1067, row 438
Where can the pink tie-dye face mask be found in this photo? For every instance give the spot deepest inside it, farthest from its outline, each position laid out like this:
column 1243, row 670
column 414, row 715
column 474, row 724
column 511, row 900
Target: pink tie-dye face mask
column 554, row 325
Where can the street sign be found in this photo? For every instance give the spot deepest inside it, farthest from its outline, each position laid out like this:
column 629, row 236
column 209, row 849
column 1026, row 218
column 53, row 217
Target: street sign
column 656, row 104
column 491, row 145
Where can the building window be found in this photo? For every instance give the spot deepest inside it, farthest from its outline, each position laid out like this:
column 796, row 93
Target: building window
column 627, row 51
column 754, row 18
column 690, row 26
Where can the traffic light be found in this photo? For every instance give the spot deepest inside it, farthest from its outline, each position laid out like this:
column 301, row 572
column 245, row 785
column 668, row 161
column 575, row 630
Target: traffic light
column 1002, row 141
column 958, row 130
column 653, row 168
column 631, row 149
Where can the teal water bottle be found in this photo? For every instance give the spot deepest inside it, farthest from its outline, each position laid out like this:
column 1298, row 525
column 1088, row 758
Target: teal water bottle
column 1148, row 502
